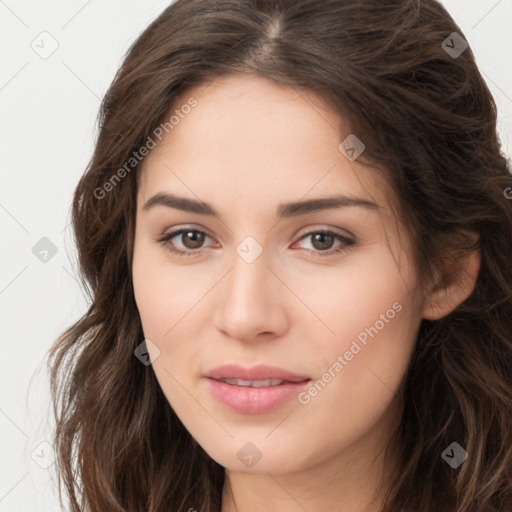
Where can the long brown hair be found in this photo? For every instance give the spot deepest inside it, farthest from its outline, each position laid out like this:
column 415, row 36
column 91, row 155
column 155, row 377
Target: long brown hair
column 428, row 119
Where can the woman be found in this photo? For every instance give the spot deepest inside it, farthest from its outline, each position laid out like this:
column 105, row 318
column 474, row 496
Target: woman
column 296, row 234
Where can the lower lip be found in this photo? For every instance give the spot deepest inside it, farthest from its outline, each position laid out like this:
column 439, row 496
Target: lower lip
column 254, row 400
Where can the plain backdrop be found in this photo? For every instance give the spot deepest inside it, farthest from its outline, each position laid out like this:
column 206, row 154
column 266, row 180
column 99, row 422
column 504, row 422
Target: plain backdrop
column 49, row 105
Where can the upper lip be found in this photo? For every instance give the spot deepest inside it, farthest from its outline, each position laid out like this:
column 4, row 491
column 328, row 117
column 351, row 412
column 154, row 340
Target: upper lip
column 259, row 372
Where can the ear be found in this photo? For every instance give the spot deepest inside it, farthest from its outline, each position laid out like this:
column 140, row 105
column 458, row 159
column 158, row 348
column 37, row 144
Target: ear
column 453, row 284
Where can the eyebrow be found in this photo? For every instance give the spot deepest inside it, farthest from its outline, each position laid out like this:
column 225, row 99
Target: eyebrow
column 284, row 210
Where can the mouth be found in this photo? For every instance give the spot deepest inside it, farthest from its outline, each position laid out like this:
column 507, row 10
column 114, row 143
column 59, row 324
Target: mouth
column 254, row 390
column 253, row 383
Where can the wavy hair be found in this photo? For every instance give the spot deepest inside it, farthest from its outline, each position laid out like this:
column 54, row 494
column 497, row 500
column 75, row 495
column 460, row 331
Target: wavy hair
column 428, row 120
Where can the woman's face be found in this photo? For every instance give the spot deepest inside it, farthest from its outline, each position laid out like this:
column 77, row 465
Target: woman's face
column 334, row 315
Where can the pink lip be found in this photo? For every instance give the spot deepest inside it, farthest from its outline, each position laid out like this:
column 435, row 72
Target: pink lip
column 251, row 400
column 259, row 372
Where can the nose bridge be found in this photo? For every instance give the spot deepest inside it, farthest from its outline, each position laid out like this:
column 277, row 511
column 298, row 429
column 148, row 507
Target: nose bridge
column 248, row 301
column 249, row 282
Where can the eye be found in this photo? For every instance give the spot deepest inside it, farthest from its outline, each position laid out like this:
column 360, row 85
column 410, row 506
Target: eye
column 322, row 242
column 192, row 241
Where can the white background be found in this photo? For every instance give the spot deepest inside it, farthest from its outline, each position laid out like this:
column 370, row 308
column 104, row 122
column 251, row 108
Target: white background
column 47, row 131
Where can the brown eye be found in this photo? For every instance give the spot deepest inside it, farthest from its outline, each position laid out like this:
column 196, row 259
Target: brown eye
column 192, row 239
column 322, row 241
column 184, row 242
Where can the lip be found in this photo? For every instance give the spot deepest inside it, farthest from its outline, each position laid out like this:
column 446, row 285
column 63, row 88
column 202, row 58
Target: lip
column 259, row 372
column 249, row 400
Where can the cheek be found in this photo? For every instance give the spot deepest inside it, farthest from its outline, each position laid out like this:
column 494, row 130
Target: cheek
column 366, row 297
column 172, row 307
column 359, row 376
column 370, row 320
column 365, row 364
column 167, row 301
column 163, row 294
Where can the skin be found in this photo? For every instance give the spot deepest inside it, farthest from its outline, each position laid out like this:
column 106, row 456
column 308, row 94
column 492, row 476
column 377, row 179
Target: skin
column 248, row 146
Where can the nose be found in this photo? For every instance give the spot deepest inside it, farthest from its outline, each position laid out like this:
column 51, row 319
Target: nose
column 251, row 301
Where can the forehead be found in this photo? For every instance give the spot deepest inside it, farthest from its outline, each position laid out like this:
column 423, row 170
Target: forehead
column 250, row 140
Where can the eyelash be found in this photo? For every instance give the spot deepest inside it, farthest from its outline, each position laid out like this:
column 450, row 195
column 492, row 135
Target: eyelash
column 348, row 242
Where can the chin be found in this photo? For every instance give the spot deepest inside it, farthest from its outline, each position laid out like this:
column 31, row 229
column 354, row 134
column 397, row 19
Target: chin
column 262, row 457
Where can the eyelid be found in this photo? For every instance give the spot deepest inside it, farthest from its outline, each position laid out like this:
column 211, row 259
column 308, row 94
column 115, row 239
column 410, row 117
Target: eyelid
column 306, row 231
column 322, row 227
column 176, row 230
